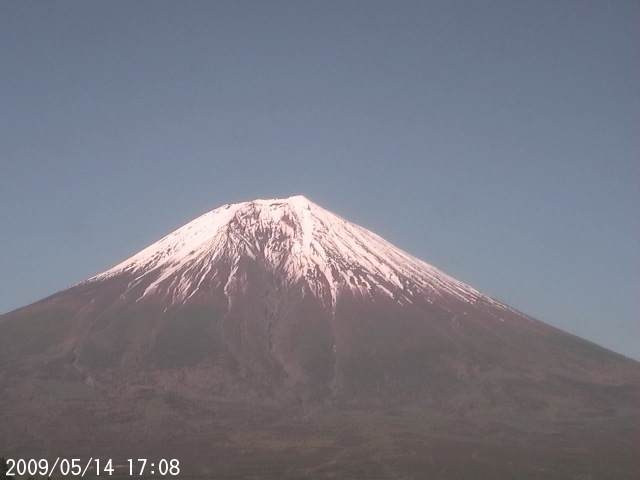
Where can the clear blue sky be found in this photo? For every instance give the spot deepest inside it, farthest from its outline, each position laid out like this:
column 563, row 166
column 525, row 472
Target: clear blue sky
column 496, row 140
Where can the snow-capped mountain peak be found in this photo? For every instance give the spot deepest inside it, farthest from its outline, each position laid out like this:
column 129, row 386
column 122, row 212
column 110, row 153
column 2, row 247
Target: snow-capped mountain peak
column 292, row 237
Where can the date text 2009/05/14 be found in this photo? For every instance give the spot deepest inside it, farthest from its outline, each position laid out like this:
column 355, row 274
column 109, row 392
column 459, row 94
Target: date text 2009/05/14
column 77, row 467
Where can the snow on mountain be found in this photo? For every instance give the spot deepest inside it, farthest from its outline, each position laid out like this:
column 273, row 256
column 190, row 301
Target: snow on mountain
column 330, row 333
column 292, row 237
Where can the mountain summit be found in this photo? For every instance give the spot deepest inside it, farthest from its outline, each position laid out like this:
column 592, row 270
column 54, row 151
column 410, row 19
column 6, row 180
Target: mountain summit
column 276, row 321
column 292, row 239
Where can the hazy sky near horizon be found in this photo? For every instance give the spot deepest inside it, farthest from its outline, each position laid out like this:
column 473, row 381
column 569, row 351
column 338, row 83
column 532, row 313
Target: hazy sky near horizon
column 496, row 140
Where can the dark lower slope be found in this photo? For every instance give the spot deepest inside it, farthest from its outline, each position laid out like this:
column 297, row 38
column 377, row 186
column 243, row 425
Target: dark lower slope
column 271, row 384
column 216, row 437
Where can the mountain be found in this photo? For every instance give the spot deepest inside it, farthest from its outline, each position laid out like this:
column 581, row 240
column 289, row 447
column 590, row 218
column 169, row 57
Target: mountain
column 274, row 339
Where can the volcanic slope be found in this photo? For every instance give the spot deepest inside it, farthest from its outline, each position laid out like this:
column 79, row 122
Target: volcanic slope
column 293, row 239
column 276, row 319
